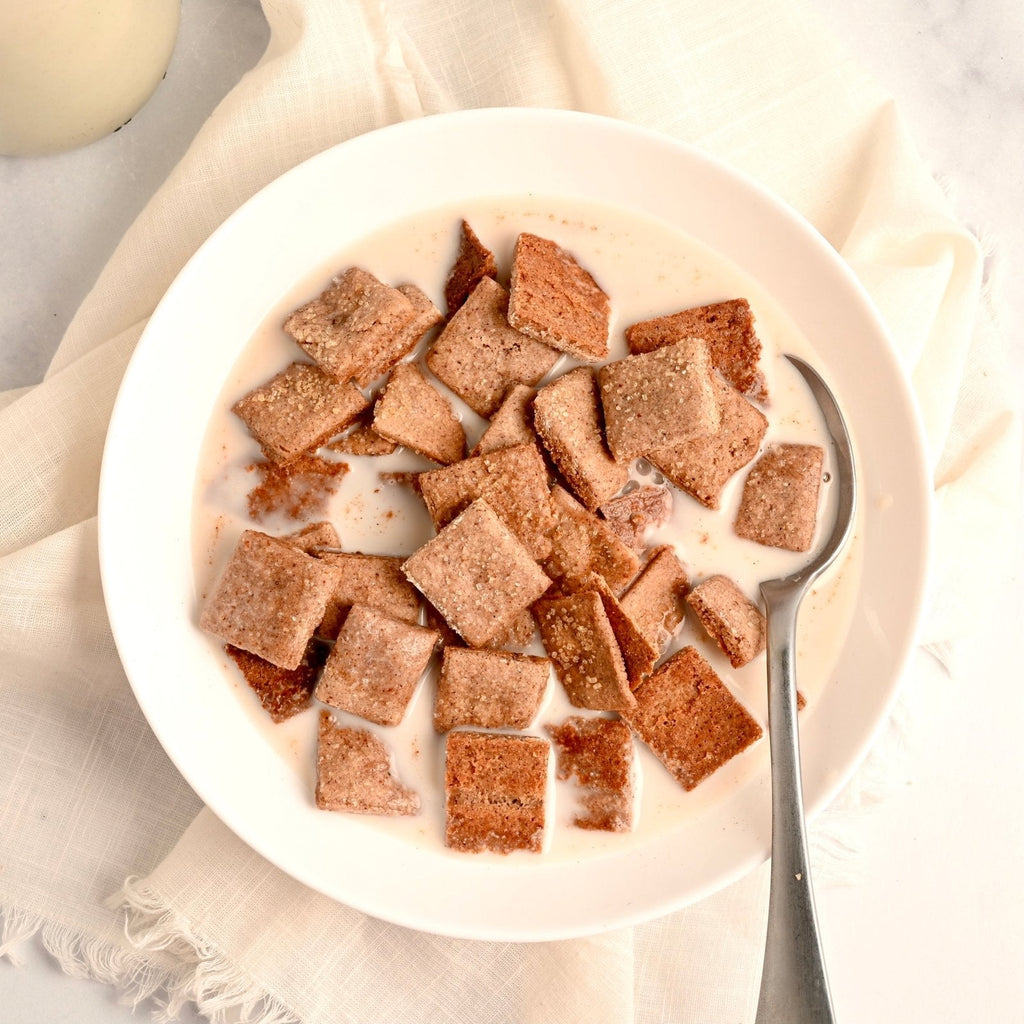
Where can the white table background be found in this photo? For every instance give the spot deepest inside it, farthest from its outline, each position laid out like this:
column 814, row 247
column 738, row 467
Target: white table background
column 929, row 927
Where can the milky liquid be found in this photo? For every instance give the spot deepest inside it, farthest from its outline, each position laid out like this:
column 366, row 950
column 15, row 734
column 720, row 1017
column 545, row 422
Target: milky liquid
column 648, row 270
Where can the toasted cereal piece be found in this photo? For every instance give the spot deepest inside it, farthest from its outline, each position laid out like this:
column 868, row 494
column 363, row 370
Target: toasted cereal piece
column 473, row 263
column 283, row 692
column 362, row 439
column 511, row 424
column 353, row 773
column 733, row 621
column 298, row 410
column 657, row 399
column 269, row 599
column 581, row 544
column 639, row 653
column 477, row 575
column 376, row 581
column 567, row 418
column 703, row 466
column 727, row 327
column 598, row 754
column 309, row 538
column 688, row 717
column 375, row 664
column 656, row 599
column 495, row 787
column 634, row 514
column 580, row 641
column 479, row 356
column 489, row 689
column 779, row 506
column 553, row 299
column 514, row 481
column 413, row 412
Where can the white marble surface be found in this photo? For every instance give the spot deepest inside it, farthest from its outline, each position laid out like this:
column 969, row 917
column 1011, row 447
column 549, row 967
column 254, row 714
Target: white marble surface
column 928, row 928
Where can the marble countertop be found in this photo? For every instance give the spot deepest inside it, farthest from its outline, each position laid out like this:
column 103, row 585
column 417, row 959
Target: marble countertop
column 930, row 927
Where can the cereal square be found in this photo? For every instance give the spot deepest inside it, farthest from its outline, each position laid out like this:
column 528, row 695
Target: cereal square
column 489, row 689
column 688, row 717
column 634, row 514
column 314, row 536
column 353, row 773
column 473, row 262
column 269, row 599
column 779, row 507
column 375, row 665
column 282, row 692
column 362, row 439
column 511, row 424
column 730, row 618
column 656, row 599
column 553, row 299
column 413, row 412
column 477, row 575
column 479, row 356
column 376, row 581
column 658, row 398
column 567, row 418
column 639, row 653
column 495, row 788
column 298, row 410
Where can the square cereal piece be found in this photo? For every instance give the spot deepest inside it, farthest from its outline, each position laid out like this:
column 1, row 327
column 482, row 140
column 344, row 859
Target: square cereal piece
column 703, row 466
column 658, row 398
column 314, row 536
column 656, row 599
column 639, row 653
column 479, row 356
column 779, row 507
column 511, row 424
column 282, row 692
column 688, row 717
column 362, row 439
column 581, row 544
column 634, row 514
column 349, row 330
column 298, row 410
column 495, row 787
column 598, row 754
column 553, row 299
column 375, row 664
column 513, row 481
column 413, row 412
column 477, row 575
column 353, row 773
column 580, row 641
column 489, row 689
column 567, row 418
column 733, row 621
column 728, row 329
column 473, row 263
column 269, row 599
column 376, row 581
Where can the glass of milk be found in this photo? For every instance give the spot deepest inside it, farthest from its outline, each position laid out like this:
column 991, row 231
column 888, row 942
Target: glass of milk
column 72, row 71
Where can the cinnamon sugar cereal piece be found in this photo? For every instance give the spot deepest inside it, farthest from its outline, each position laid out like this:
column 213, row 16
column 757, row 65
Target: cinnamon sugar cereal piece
column 567, row 418
column 655, row 601
column 634, row 514
column 353, row 773
column 282, row 692
column 688, row 717
column 598, row 754
column 376, row 581
column 495, row 787
column 553, row 299
column 316, row 535
column 639, row 653
column 479, row 356
column 269, row 599
column 413, row 412
column 581, row 544
column 580, row 641
column 489, row 689
column 703, row 466
column 728, row 329
column 658, row 398
column 375, row 665
column 779, row 506
column 733, row 621
column 514, row 482
column 298, row 410
column 477, row 575
column 511, row 424
column 473, row 263
column 362, row 439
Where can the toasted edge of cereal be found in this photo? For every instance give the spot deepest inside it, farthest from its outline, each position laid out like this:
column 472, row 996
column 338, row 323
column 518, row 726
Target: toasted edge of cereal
column 656, row 600
column 473, row 262
column 634, row 514
column 730, row 618
column 282, row 692
column 639, row 654
column 511, row 424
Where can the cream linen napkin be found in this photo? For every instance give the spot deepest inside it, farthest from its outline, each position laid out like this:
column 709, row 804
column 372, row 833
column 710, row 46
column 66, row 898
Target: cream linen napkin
column 87, row 797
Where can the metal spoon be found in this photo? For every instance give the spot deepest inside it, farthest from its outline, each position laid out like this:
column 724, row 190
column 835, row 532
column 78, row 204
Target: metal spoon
column 794, row 985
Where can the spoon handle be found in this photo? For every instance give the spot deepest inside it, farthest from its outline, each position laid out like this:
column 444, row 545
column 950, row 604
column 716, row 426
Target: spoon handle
column 794, row 986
